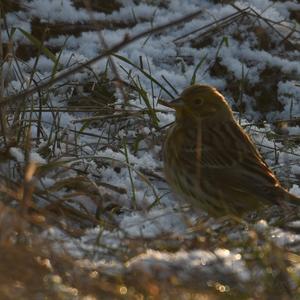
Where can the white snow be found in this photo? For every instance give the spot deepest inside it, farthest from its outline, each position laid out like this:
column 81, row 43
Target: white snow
column 162, row 58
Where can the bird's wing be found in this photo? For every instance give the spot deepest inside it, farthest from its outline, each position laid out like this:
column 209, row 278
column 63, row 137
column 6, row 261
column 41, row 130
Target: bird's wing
column 229, row 157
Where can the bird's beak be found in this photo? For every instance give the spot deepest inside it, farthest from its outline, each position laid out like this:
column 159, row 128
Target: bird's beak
column 175, row 103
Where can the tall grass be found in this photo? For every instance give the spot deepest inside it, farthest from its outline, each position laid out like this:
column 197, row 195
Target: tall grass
column 52, row 178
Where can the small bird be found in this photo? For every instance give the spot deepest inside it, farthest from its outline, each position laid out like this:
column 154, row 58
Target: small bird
column 211, row 162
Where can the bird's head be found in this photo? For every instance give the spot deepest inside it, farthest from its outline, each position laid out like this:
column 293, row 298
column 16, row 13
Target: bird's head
column 199, row 102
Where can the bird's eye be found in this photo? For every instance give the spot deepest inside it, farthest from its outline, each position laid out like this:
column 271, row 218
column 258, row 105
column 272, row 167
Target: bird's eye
column 198, row 102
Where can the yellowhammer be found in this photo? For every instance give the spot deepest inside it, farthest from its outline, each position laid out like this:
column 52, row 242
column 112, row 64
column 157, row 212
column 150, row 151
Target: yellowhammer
column 211, row 162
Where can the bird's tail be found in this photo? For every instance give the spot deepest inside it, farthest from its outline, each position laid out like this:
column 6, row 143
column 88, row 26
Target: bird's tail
column 290, row 198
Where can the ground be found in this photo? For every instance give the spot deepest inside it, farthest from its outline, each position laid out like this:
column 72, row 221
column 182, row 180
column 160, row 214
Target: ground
column 84, row 203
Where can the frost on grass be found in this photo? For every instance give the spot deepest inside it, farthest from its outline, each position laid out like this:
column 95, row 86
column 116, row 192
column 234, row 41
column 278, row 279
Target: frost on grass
column 106, row 162
column 194, row 269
